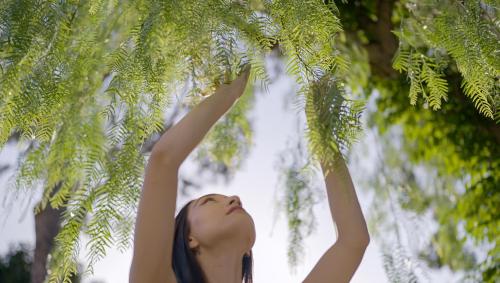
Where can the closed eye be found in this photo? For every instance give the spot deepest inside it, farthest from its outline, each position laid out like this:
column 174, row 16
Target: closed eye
column 207, row 200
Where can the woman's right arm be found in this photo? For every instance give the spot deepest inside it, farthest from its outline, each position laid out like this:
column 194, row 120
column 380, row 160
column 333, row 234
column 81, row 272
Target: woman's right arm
column 154, row 227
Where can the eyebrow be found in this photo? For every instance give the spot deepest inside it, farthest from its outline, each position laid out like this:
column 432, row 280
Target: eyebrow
column 209, row 195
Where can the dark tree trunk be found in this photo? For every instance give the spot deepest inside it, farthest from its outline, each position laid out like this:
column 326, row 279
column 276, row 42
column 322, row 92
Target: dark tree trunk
column 47, row 225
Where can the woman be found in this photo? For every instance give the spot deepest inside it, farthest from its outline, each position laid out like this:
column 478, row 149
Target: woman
column 210, row 240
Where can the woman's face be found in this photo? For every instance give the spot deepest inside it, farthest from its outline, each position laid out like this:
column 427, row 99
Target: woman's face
column 211, row 226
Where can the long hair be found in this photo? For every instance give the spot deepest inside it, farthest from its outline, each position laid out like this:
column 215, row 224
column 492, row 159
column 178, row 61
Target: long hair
column 186, row 268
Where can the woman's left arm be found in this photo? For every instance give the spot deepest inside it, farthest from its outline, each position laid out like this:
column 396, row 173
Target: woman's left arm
column 340, row 261
column 344, row 206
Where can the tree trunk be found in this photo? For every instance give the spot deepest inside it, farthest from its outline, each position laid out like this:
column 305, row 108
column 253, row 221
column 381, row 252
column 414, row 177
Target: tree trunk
column 47, row 225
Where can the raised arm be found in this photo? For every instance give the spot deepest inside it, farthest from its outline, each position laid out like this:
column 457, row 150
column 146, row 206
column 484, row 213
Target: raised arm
column 181, row 139
column 340, row 261
column 154, row 227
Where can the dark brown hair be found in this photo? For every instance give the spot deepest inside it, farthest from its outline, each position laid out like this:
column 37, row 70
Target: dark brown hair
column 184, row 264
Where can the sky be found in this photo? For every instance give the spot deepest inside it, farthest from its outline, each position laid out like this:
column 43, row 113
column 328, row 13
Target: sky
column 274, row 120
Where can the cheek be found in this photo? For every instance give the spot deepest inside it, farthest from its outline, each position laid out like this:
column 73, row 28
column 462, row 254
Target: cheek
column 205, row 224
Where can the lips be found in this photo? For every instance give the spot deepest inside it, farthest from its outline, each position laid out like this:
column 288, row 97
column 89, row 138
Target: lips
column 234, row 208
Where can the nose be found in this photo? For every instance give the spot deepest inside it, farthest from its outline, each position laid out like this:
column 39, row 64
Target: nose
column 235, row 199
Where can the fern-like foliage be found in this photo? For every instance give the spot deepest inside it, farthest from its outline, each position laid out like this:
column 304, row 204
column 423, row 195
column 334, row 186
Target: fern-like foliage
column 465, row 36
column 423, row 69
column 333, row 120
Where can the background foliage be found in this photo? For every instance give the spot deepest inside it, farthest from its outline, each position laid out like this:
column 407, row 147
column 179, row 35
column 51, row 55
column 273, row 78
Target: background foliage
column 85, row 84
column 435, row 68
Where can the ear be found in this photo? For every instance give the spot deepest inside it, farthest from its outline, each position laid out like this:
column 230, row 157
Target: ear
column 193, row 243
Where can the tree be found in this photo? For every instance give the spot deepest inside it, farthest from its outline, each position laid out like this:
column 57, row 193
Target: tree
column 87, row 82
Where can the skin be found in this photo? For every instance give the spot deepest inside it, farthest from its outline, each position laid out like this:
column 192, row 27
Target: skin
column 223, row 239
column 220, row 240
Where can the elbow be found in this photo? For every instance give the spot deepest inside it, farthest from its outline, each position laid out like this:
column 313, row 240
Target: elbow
column 363, row 237
column 365, row 241
column 165, row 157
column 359, row 242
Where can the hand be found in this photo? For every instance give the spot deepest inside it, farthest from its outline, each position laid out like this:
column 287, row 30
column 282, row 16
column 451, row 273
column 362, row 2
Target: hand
column 245, row 68
column 241, row 81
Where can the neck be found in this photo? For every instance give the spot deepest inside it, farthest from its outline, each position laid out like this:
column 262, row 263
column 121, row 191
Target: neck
column 220, row 267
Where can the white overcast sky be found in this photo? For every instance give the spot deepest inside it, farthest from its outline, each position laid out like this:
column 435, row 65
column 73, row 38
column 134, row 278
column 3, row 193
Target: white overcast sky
column 274, row 121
